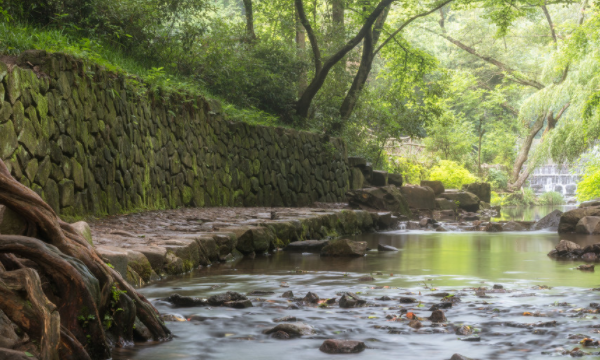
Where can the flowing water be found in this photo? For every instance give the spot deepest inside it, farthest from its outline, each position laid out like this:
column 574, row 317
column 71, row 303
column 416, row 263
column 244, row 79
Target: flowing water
column 427, row 263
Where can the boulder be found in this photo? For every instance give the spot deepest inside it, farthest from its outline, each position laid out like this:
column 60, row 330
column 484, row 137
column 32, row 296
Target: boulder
column 395, row 179
column 333, row 346
column 493, row 227
column 379, row 178
column 435, row 185
column 292, row 329
column 466, row 200
column 590, row 203
column 589, row 225
column 311, row 298
column 140, row 264
column 388, row 198
column 566, row 246
column 381, row 247
column 156, row 255
column 419, row 197
column 570, row 219
column 344, row 247
column 514, row 226
column 482, row 190
column 308, row 246
column 445, row 204
column 548, row 222
column 83, row 229
column 250, row 239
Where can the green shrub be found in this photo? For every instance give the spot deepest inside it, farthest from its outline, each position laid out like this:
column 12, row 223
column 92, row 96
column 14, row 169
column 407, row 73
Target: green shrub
column 498, row 178
column 412, row 173
column 496, row 199
column 551, row 198
column 589, row 187
column 451, row 174
column 525, row 197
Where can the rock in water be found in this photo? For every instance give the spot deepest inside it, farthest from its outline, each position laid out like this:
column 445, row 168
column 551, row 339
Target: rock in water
column 588, row 225
column 459, row 357
column 415, row 324
column 345, row 247
column 464, row 330
column 498, row 286
column 514, row 226
column 185, row 301
column 570, row 219
column 386, row 198
column 221, row 299
column 288, row 294
column 308, row 246
column 566, row 246
column 351, row 300
column 311, row 298
column 381, row 247
column 407, row 300
column 548, row 222
column 437, row 316
column 333, row 346
column 586, row 267
column 295, row 329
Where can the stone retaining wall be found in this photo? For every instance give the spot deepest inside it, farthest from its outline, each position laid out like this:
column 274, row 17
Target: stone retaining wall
column 92, row 142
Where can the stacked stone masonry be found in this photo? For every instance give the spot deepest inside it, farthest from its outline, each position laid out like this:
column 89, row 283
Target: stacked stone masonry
column 93, row 142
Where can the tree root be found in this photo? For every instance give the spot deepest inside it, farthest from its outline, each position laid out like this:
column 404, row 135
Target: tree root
column 89, row 297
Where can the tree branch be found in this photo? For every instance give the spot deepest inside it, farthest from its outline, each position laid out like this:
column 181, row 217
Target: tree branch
column 441, row 5
column 517, row 77
column 311, row 35
column 505, row 104
column 545, row 9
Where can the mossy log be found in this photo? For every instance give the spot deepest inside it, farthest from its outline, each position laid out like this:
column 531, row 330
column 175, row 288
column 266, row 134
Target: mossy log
column 80, row 301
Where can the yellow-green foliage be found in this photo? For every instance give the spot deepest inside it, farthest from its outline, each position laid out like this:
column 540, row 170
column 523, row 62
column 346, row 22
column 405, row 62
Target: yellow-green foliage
column 412, row 172
column 496, row 199
column 451, row 174
column 589, row 187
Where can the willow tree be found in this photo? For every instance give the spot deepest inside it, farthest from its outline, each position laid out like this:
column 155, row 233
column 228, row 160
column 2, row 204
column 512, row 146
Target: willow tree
column 544, row 86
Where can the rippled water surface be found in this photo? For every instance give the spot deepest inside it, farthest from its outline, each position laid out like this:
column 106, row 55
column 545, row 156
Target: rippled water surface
column 447, row 262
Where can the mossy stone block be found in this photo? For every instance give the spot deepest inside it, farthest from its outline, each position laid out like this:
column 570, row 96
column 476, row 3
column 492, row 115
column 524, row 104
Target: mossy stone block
column 8, row 140
column 67, row 193
column 52, row 195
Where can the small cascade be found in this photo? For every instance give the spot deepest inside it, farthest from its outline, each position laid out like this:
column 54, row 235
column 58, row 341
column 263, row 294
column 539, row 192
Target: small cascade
column 402, row 226
column 553, row 177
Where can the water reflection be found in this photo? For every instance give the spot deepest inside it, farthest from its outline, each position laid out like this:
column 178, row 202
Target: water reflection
column 529, row 213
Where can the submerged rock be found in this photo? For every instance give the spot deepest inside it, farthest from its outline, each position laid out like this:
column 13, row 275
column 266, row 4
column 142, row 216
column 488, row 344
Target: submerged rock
column 308, row 246
column 381, row 247
column 185, row 301
column 345, row 247
column 437, row 316
column 586, row 267
column 464, row 330
column 351, row 300
column 407, row 300
column 221, row 299
column 333, row 346
column 292, row 329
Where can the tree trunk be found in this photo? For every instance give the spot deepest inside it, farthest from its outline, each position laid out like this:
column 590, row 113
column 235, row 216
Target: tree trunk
column 68, row 317
column 249, row 20
column 524, row 151
column 303, row 105
column 301, row 47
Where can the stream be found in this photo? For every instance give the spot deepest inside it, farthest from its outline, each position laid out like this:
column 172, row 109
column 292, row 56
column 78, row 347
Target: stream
column 544, row 304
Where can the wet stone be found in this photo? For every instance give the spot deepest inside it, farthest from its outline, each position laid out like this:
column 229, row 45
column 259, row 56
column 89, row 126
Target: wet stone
column 311, row 298
column 260, row 293
column 586, row 267
column 351, row 300
column 407, row 300
column 288, row 318
column 444, row 305
column 498, row 286
column 437, row 316
column 381, row 247
column 221, row 299
column 472, row 338
column 281, row 335
column 459, row 357
column 333, row 346
column 238, row 304
column 185, row 301
column 415, row 324
column 366, row 278
column 288, row 295
column 464, row 330
column 295, row 329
